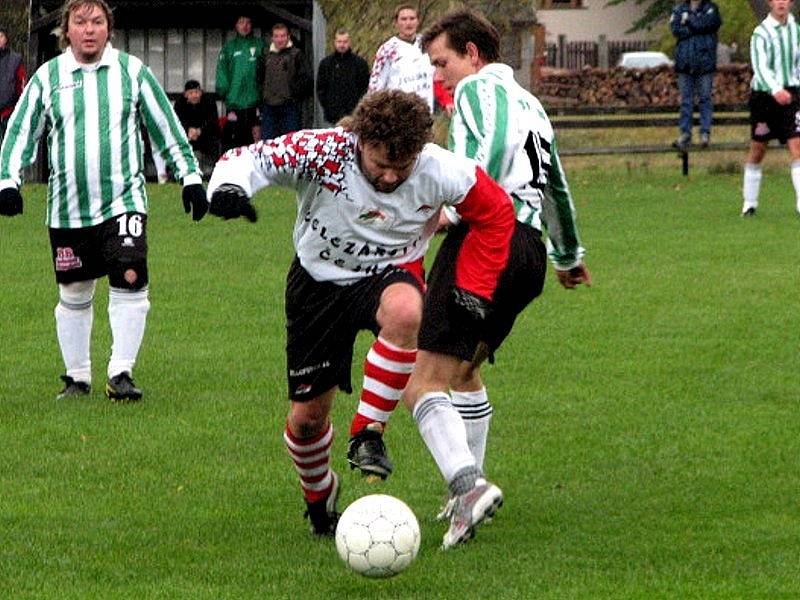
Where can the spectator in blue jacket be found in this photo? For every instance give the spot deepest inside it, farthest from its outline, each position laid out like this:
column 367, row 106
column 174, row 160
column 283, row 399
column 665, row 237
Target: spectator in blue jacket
column 695, row 24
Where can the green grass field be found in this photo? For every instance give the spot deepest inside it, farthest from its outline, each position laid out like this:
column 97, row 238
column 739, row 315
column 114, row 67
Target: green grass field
column 645, row 430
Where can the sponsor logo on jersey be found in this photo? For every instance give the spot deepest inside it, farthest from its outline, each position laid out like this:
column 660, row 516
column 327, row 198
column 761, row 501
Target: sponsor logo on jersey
column 66, row 260
column 72, row 85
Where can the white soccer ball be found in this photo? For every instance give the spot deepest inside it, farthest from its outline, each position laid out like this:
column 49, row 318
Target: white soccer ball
column 378, row 536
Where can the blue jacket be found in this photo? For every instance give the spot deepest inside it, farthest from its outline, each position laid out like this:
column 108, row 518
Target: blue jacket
column 696, row 32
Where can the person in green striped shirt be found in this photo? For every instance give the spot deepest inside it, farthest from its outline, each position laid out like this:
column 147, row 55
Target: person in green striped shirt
column 504, row 128
column 774, row 98
column 94, row 101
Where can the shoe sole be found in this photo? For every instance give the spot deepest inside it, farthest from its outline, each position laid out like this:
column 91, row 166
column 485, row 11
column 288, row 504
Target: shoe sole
column 122, row 398
column 370, row 472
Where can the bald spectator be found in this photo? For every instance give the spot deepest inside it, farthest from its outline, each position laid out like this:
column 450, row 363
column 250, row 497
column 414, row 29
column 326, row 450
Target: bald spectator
column 342, row 79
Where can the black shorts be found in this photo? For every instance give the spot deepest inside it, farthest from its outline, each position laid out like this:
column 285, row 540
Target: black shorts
column 520, row 282
column 322, row 321
column 111, row 248
column 770, row 120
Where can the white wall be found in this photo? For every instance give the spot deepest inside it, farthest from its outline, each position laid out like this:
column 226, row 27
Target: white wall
column 594, row 19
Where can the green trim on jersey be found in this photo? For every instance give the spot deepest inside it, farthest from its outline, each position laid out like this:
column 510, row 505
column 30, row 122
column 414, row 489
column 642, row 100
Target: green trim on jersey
column 775, row 55
column 504, row 128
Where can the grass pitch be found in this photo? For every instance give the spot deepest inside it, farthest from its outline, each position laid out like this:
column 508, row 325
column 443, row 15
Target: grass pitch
column 645, row 430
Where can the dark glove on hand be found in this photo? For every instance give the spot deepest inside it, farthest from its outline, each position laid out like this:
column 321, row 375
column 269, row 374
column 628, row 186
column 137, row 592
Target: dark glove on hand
column 230, row 201
column 10, row 202
column 194, row 199
column 472, row 309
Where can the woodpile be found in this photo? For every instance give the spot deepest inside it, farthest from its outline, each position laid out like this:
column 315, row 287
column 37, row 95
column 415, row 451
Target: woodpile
column 592, row 87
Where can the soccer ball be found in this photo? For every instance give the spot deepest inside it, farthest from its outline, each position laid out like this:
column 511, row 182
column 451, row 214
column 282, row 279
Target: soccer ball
column 378, row 536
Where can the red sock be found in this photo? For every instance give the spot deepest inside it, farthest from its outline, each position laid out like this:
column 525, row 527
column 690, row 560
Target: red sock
column 386, row 372
column 312, row 457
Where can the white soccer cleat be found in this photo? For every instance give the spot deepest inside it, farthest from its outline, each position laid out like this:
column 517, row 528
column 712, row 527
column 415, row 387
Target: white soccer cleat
column 470, row 510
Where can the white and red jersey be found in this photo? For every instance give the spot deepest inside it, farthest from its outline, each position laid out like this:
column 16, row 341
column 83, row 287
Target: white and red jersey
column 346, row 230
column 401, row 65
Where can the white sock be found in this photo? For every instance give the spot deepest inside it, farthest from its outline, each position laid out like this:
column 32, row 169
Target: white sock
column 751, row 185
column 796, row 182
column 443, row 431
column 74, row 318
column 127, row 314
column 476, row 412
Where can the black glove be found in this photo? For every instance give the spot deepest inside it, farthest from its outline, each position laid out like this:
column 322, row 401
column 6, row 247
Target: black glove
column 194, row 199
column 230, row 201
column 472, row 310
column 10, row 202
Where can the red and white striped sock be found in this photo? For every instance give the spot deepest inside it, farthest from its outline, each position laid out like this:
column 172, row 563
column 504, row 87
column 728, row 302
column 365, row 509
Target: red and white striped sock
column 386, row 372
column 312, row 458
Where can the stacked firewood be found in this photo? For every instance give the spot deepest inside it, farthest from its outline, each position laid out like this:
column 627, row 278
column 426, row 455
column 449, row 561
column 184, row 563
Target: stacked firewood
column 634, row 87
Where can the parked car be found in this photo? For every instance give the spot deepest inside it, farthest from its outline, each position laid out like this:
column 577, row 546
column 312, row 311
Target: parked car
column 643, row 60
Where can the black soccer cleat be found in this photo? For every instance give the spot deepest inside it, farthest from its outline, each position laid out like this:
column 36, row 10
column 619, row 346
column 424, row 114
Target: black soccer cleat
column 322, row 514
column 367, row 452
column 750, row 212
column 121, row 388
column 73, row 388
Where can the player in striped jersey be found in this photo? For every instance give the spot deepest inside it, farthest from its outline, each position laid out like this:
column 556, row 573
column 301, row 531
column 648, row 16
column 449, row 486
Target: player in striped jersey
column 94, row 101
column 774, row 98
column 504, row 128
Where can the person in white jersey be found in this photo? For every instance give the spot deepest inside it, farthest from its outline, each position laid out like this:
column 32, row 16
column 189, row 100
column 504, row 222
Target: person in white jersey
column 400, row 63
column 369, row 196
column 774, row 98
column 94, row 101
column 504, row 128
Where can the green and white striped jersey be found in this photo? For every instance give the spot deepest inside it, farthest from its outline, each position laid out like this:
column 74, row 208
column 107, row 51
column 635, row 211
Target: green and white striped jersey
column 775, row 55
column 504, row 127
column 94, row 115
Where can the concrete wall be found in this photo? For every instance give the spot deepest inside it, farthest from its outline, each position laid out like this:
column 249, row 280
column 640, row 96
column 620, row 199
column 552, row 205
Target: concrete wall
column 593, row 20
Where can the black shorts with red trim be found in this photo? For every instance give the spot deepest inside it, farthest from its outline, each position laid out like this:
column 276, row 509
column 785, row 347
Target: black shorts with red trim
column 770, row 120
column 117, row 248
column 322, row 321
column 442, row 330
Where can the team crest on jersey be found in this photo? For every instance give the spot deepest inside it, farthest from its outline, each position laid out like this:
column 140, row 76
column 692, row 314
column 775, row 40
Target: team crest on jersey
column 761, row 129
column 372, row 215
column 66, row 260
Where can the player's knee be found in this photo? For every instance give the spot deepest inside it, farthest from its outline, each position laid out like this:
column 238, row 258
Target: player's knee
column 129, row 277
column 403, row 318
column 77, row 295
column 307, row 420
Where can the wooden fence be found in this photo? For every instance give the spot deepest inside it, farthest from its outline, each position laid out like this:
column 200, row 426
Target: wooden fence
column 601, row 53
